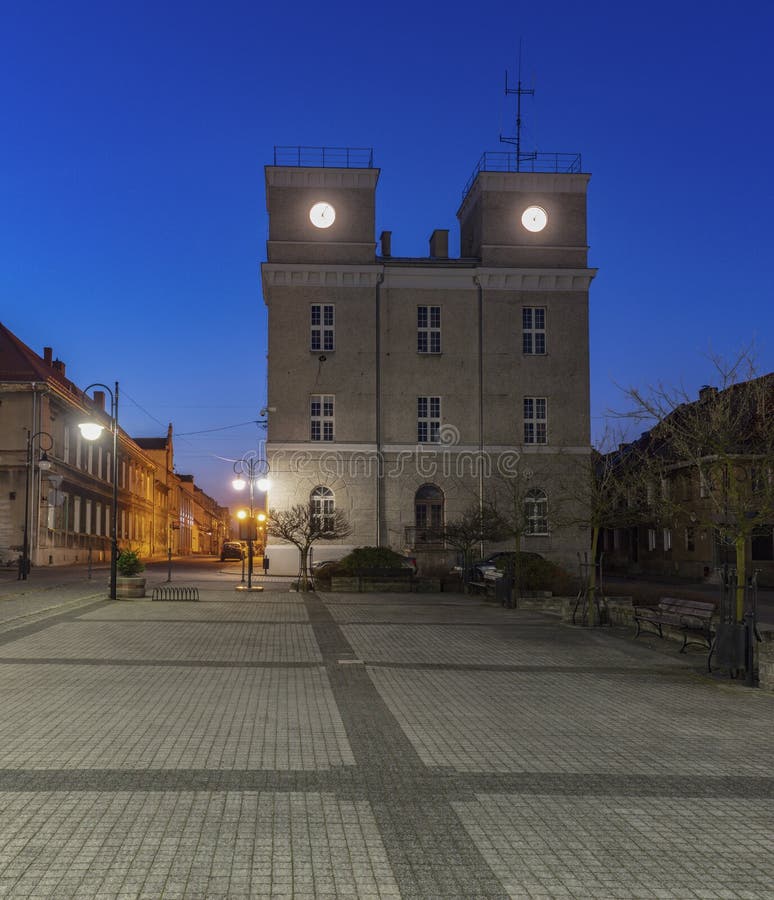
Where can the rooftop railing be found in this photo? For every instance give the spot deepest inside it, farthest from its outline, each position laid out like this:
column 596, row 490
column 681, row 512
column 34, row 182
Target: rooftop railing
column 325, row 157
column 525, row 162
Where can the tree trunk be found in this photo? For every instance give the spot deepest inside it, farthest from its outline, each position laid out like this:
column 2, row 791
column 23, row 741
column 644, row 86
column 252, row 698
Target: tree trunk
column 741, row 575
column 592, row 576
column 303, row 578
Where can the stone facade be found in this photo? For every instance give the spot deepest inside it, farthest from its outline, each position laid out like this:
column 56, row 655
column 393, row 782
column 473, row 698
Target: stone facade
column 418, row 367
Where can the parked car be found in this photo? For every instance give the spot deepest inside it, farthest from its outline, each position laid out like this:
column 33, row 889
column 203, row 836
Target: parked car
column 496, row 563
column 409, row 562
column 321, row 567
column 232, row 550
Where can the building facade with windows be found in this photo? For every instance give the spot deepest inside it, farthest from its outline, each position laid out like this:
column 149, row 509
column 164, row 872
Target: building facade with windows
column 67, row 507
column 407, row 389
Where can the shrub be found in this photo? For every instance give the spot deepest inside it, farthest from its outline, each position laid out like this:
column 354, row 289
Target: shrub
column 370, row 558
column 536, row 574
column 129, row 563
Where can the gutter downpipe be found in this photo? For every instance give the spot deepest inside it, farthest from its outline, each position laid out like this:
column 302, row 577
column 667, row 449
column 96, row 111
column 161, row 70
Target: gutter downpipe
column 480, row 298
column 378, row 391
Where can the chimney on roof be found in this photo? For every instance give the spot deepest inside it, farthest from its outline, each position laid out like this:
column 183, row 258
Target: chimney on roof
column 99, row 399
column 439, row 243
column 59, row 366
column 48, row 355
column 706, row 391
column 386, row 239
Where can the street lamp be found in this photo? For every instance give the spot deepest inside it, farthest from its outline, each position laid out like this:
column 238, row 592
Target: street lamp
column 44, row 464
column 250, row 472
column 91, row 431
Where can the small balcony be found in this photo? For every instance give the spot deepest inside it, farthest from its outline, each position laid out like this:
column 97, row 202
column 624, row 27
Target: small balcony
column 424, row 538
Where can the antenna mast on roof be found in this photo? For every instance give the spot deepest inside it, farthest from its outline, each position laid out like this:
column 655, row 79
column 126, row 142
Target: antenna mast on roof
column 519, row 91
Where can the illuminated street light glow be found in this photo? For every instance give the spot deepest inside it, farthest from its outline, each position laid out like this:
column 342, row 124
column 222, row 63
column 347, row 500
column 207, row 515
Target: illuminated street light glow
column 91, row 430
column 239, row 484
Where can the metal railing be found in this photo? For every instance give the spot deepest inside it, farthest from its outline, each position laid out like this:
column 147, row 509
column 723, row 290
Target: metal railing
column 423, row 537
column 325, row 157
column 564, row 163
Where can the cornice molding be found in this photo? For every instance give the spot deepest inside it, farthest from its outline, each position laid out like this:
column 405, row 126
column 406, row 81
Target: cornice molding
column 300, row 177
column 293, row 275
column 431, row 277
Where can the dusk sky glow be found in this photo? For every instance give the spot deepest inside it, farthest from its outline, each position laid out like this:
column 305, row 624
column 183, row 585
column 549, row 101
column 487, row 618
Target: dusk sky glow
column 132, row 207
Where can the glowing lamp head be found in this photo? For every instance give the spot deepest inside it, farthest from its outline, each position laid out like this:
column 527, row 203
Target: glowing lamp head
column 263, row 484
column 239, row 484
column 44, row 463
column 91, row 430
column 242, row 514
column 261, row 517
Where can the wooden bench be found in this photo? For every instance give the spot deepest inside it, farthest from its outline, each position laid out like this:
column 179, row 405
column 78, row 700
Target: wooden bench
column 692, row 617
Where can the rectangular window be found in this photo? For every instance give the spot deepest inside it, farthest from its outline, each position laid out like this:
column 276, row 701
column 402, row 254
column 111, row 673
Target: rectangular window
column 763, row 543
column 428, row 329
column 66, row 446
column 323, row 326
column 667, row 539
column 535, row 420
column 87, row 520
column 690, row 539
column 428, row 420
column 78, row 449
column 533, row 330
column 77, row 522
column 321, row 417
column 651, row 539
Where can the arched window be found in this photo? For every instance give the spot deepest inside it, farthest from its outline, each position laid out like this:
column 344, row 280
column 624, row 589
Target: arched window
column 428, row 514
column 322, row 507
column 536, row 503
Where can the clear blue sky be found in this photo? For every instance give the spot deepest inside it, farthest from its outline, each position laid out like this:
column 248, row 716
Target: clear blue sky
column 134, row 135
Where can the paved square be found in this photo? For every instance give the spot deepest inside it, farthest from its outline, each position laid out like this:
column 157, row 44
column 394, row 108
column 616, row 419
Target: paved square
column 514, row 644
column 624, row 847
column 573, row 722
column 172, row 641
column 371, row 746
column 190, row 844
column 151, row 717
column 221, row 611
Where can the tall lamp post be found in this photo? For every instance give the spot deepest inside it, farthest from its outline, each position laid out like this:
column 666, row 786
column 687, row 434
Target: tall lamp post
column 250, row 472
column 44, row 464
column 91, row 431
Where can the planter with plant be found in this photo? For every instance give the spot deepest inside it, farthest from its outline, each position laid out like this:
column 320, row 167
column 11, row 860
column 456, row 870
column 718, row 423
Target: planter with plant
column 129, row 581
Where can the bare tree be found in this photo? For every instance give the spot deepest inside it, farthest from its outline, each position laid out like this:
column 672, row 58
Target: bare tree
column 303, row 526
column 476, row 525
column 711, row 461
column 600, row 490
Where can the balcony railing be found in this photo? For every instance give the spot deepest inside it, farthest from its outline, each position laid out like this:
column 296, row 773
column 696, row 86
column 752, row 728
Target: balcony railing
column 325, row 157
column 428, row 538
column 525, row 162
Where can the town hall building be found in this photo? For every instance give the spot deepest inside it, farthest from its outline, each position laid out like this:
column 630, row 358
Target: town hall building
column 404, row 391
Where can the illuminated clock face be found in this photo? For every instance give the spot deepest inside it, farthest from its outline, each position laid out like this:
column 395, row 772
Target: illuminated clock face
column 322, row 215
column 534, row 218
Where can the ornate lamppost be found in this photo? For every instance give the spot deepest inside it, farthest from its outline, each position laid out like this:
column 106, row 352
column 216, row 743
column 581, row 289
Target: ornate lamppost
column 251, row 472
column 44, row 464
column 91, row 431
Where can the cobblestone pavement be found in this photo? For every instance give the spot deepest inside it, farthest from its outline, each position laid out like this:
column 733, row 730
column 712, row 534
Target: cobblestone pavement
column 327, row 746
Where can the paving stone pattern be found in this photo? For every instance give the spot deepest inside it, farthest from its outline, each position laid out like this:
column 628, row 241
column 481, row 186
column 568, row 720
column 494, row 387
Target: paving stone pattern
column 331, row 746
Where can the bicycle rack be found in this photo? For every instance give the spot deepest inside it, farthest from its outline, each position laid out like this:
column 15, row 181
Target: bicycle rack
column 175, row 593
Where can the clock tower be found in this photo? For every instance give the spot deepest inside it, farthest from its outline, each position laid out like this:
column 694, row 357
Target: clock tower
column 321, row 214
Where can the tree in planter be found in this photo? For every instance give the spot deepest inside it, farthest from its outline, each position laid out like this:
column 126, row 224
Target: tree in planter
column 711, row 460
column 129, row 563
column 303, row 526
column 478, row 524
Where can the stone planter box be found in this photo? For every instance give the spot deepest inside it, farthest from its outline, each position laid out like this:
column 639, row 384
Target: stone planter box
column 130, row 587
column 765, row 650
